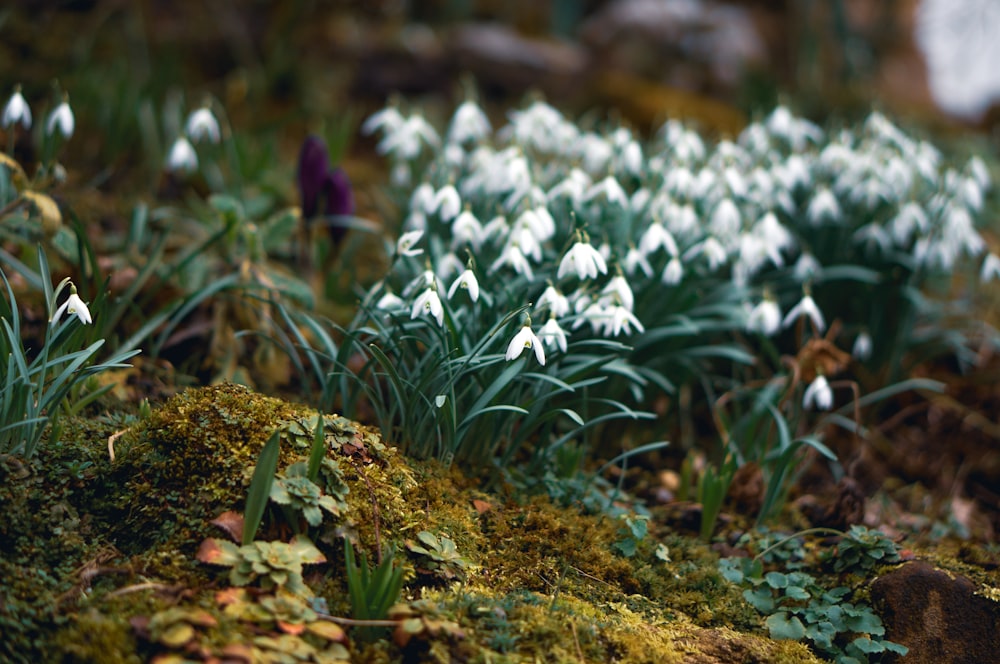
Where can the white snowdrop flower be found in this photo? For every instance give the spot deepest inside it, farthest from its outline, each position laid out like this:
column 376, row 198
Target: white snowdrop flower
column 657, row 236
column 618, row 290
column 818, row 394
column 794, row 173
column 755, row 139
column 976, row 168
column 765, row 317
column 807, row 267
column 873, row 235
column 540, row 126
column 805, row 308
column 496, row 227
column 990, row 269
column 704, row 182
column 428, row 303
column 635, row 259
column 775, row 237
column 61, row 118
column 525, row 338
column 612, row 191
column 467, row 281
column 681, row 182
column 573, row 186
column 823, row 207
column 422, row 198
column 388, row 120
column 425, row 280
column 725, row 220
column 683, row 221
column 552, row 334
column 406, row 242
column 539, row 222
column 466, row 229
column 971, row 194
column 201, row 124
column 448, row 265
column 711, row 249
column 407, row 141
column 182, row 157
column 752, row 252
column 796, row 131
column 593, row 312
column 583, row 260
column 620, row 320
column 17, row 110
column 862, row 349
column 631, row 158
column 469, row 123
column 639, row 200
column 513, row 257
column 453, row 155
column 390, row 302
column 910, row 219
column 530, row 246
column 673, row 273
column 735, row 181
column 557, row 303
column 400, row 175
column 447, row 203
column 595, row 152
column 74, row 306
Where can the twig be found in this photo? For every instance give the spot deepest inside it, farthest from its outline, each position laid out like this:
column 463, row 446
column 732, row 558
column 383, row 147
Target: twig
column 149, row 585
column 351, row 622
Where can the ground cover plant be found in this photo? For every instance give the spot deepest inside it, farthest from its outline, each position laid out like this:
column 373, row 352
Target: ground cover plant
column 554, row 295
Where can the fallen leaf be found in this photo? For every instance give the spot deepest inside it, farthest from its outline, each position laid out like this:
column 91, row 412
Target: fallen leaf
column 232, row 523
column 482, row 506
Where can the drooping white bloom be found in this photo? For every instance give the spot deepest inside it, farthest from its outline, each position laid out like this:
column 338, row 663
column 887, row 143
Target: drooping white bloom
column 583, row 260
column 807, row 267
column 552, row 334
column 390, row 302
column 467, row 281
column 818, row 394
column 182, row 157
column 406, row 242
column 17, row 110
column 725, row 220
column 74, row 306
column 525, row 338
column 618, row 290
column 388, row 119
column 862, row 349
column 515, row 258
column 657, row 236
column 448, row 264
column 61, row 118
column 428, row 303
column 636, row 259
column 673, row 272
column 620, row 320
column 466, row 229
column 823, row 208
column 201, row 124
column 557, row 303
column 469, row 123
column 611, row 190
column 711, row 249
column 806, row 307
column 990, row 269
column 447, row 203
column 407, row 140
column 765, row 318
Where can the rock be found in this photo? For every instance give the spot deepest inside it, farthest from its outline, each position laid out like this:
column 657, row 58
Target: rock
column 943, row 618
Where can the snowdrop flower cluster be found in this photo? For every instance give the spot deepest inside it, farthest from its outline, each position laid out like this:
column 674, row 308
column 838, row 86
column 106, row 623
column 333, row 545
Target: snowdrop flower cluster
column 584, row 224
column 201, row 125
column 17, row 112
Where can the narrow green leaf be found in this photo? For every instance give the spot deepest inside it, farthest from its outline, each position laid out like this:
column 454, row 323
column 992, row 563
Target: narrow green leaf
column 260, row 486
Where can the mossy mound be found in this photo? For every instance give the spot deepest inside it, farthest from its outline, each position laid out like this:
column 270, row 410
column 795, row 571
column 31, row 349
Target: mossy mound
column 488, row 578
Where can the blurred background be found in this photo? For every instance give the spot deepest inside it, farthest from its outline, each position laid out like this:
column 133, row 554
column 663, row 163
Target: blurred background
column 307, row 65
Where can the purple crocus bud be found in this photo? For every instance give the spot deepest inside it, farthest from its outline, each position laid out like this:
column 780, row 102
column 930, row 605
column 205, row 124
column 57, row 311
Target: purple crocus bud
column 339, row 201
column 314, row 163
